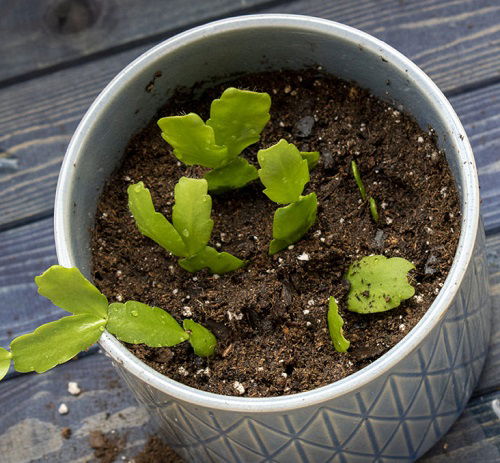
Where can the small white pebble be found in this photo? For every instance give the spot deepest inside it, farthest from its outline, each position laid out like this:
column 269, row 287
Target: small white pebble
column 317, row 233
column 282, row 124
column 284, row 375
column 322, row 239
column 218, row 245
column 233, row 316
column 182, row 371
column 304, row 256
column 216, row 276
column 260, row 368
column 383, row 205
column 388, row 220
column 127, row 178
column 402, row 327
column 396, row 113
column 280, row 260
column 63, row 409
column 306, row 312
column 420, row 140
column 341, row 220
column 118, row 273
column 419, row 298
column 195, row 278
column 175, row 292
column 186, row 311
column 310, row 302
column 73, row 388
column 178, row 164
column 291, row 247
column 308, row 323
column 119, row 297
column 239, row 387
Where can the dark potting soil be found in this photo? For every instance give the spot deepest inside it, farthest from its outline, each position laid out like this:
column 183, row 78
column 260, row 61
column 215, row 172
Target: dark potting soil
column 155, row 451
column 270, row 317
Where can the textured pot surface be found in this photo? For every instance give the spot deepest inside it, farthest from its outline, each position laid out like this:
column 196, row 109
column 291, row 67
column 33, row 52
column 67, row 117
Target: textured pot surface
column 392, row 410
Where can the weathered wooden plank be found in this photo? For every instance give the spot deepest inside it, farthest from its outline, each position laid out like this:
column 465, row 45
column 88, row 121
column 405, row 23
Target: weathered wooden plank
column 24, row 253
column 480, row 114
column 30, row 427
column 57, row 32
column 456, row 42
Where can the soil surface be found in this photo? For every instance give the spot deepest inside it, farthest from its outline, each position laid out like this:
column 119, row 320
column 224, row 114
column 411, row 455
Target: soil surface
column 270, row 317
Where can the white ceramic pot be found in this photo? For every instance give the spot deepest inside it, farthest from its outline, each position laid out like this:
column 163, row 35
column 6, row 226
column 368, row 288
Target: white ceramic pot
column 393, row 409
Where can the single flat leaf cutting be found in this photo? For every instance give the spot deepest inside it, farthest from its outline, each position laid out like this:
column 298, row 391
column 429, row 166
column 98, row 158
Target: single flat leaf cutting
column 216, row 262
column 312, row 158
column 238, row 118
column 335, row 324
column 202, row 340
column 235, row 175
column 378, row 284
column 138, row 323
column 55, row 342
column 70, row 290
column 191, row 213
column 283, row 172
column 193, row 141
column 153, row 224
column 292, row 222
column 5, row 357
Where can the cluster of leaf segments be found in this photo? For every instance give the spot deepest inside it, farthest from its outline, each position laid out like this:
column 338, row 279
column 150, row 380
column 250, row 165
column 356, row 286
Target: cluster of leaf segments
column 284, row 171
column 362, row 192
column 188, row 234
column 236, row 121
column 132, row 322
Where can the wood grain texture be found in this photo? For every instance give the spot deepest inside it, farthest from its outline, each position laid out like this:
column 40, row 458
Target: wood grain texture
column 30, row 427
column 37, row 119
column 456, row 42
column 480, row 114
column 56, row 32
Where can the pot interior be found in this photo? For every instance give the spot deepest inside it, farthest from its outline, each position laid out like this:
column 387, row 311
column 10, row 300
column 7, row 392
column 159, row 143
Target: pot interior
column 210, row 53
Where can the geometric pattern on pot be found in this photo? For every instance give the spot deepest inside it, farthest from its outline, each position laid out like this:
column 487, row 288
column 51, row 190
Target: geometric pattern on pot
column 396, row 417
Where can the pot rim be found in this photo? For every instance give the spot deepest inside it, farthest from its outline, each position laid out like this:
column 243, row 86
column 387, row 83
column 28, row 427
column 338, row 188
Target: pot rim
column 435, row 313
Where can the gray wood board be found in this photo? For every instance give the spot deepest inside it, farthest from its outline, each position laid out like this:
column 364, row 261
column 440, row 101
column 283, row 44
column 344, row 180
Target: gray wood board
column 30, row 426
column 64, row 32
column 456, row 41
column 28, row 250
column 37, row 119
